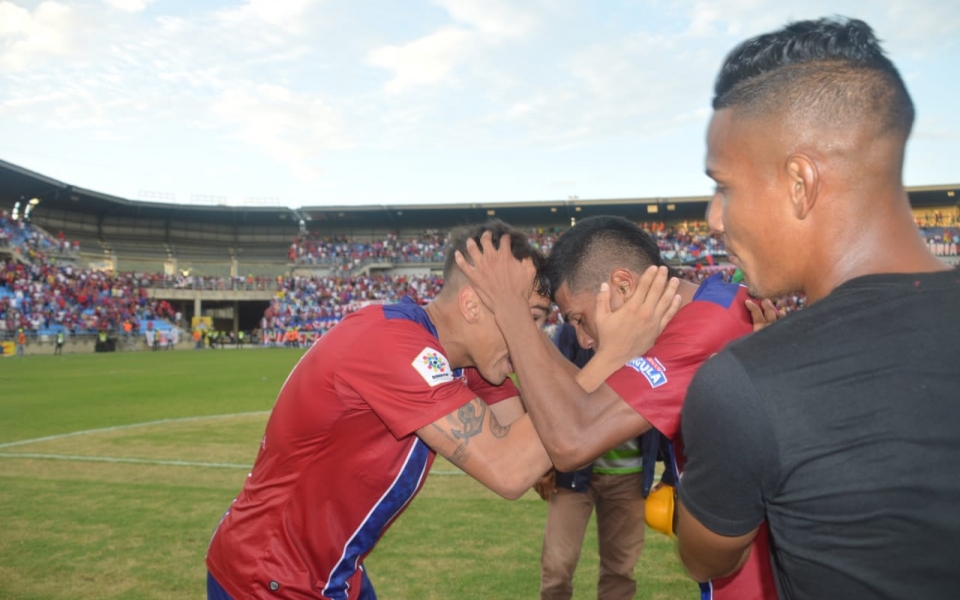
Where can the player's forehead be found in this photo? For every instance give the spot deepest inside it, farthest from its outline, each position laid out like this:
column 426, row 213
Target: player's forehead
column 734, row 138
column 569, row 302
column 718, row 142
column 538, row 300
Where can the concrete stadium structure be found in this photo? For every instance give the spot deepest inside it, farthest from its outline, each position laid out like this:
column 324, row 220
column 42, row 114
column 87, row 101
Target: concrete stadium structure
column 229, row 241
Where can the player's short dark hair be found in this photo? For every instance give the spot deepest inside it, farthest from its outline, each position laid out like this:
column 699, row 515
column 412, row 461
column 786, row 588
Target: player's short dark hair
column 519, row 245
column 831, row 70
column 585, row 255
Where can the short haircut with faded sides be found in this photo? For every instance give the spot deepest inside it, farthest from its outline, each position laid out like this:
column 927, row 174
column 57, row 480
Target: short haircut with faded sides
column 831, row 71
column 519, row 246
column 586, row 254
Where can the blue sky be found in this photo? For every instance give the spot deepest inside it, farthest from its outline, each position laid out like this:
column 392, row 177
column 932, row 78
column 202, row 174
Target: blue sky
column 350, row 102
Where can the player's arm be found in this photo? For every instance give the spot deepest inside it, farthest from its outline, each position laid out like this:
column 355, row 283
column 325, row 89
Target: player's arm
column 576, row 427
column 572, row 369
column 508, row 459
column 509, row 410
column 708, row 555
column 732, row 466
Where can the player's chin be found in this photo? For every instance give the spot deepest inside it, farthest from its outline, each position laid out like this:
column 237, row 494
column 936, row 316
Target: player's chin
column 496, row 375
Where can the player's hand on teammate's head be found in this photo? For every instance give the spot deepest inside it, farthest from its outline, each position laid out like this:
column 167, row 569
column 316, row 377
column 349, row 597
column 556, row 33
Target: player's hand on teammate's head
column 630, row 329
column 496, row 275
column 764, row 313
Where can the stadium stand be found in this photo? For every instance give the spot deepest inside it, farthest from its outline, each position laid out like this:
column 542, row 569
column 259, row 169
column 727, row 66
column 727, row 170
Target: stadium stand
column 943, row 241
column 111, row 260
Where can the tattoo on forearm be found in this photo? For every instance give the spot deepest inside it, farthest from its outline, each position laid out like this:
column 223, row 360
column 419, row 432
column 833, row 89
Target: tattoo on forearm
column 471, row 417
column 498, row 430
column 445, row 433
column 467, row 423
column 459, row 455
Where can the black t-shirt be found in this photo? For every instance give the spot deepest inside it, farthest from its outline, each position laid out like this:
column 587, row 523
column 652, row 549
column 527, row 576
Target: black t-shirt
column 840, row 426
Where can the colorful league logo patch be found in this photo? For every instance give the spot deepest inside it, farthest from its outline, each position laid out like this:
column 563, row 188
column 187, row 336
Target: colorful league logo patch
column 434, row 362
column 433, row 367
column 650, row 368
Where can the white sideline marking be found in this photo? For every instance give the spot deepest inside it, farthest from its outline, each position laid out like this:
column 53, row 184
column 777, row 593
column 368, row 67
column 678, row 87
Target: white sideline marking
column 143, row 461
column 148, row 461
column 112, row 459
column 130, row 426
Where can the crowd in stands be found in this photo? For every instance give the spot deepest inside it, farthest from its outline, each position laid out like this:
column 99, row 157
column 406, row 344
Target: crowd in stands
column 943, row 241
column 306, row 307
column 309, row 306
column 687, row 242
column 684, row 242
column 937, row 218
column 33, row 243
column 40, row 295
column 206, row 282
column 342, row 254
column 47, row 297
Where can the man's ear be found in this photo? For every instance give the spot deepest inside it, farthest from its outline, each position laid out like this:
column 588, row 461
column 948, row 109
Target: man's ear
column 803, row 178
column 623, row 283
column 469, row 303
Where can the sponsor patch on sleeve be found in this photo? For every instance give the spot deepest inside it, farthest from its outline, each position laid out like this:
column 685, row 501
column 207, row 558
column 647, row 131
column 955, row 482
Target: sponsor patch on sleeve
column 433, row 367
column 650, row 368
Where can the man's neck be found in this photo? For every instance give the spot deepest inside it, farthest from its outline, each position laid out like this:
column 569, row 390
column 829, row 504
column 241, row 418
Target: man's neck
column 686, row 290
column 882, row 245
column 439, row 313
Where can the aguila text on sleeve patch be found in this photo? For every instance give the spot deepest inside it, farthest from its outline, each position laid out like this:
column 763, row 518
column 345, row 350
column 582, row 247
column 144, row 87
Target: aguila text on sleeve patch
column 650, row 368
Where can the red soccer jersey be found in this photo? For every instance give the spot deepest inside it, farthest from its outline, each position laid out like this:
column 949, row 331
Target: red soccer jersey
column 655, row 385
column 340, row 459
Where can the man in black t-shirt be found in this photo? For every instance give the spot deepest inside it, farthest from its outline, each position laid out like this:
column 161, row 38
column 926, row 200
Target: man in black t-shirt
column 840, row 425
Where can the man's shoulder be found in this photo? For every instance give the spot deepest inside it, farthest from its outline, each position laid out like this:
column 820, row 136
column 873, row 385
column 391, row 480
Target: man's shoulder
column 716, row 314
column 388, row 315
column 771, row 341
column 378, row 329
column 715, row 290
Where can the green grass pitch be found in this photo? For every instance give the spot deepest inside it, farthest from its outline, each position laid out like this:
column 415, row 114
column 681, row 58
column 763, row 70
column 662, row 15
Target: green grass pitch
column 115, row 468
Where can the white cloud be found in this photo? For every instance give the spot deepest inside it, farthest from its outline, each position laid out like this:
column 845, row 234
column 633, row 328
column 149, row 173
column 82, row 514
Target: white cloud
column 278, row 11
column 131, row 6
column 120, row 69
column 292, row 128
column 428, row 60
column 432, row 59
column 285, row 84
column 26, row 38
column 935, row 129
column 917, row 27
column 494, row 17
column 635, row 87
column 283, row 14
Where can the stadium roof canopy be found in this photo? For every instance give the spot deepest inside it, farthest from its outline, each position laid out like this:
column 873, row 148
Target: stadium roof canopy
column 20, row 184
column 539, row 213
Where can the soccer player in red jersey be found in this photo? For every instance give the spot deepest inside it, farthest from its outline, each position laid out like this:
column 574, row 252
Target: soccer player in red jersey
column 648, row 391
column 356, row 427
column 353, row 434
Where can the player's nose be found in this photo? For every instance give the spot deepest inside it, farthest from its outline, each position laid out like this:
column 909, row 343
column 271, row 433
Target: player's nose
column 585, row 341
column 715, row 215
